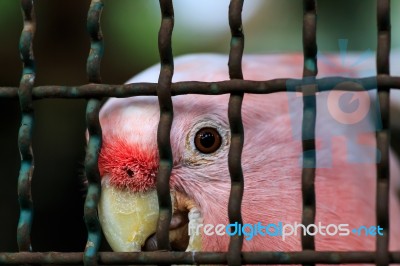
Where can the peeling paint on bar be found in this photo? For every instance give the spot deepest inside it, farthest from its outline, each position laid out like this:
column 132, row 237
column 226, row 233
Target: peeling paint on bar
column 26, row 128
column 95, row 136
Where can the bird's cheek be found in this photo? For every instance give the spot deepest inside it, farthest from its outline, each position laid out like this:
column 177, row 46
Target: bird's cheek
column 128, row 218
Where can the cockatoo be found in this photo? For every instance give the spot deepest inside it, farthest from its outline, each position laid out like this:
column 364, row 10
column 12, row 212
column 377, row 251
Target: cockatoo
column 345, row 180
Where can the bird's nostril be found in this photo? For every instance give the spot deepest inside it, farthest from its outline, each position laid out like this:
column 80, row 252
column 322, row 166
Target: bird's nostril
column 130, row 173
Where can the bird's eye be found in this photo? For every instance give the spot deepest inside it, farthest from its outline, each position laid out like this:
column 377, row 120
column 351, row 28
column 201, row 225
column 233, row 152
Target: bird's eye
column 207, row 140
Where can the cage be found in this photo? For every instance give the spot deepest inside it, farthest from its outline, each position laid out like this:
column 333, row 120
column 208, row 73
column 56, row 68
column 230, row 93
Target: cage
column 95, row 91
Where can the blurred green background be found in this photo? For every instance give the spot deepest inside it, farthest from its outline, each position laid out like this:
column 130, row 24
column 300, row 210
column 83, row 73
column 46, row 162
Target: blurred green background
column 130, row 30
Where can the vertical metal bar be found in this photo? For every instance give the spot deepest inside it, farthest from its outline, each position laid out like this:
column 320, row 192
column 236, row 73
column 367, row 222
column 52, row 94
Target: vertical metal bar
column 95, row 135
column 383, row 136
column 310, row 70
column 26, row 128
column 165, row 124
column 237, row 132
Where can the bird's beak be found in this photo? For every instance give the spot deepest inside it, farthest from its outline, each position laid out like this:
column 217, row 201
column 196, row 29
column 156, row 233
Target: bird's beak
column 127, row 218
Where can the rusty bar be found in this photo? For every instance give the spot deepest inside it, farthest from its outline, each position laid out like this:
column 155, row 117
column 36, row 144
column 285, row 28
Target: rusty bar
column 383, row 136
column 310, row 70
column 237, row 132
column 195, row 87
column 95, row 135
column 26, row 128
column 147, row 258
column 165, row 124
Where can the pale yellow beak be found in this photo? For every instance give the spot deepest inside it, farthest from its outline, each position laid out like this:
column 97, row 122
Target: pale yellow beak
column 129, row 218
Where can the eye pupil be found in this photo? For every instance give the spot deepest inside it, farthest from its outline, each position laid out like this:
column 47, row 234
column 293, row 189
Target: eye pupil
column 207, row 140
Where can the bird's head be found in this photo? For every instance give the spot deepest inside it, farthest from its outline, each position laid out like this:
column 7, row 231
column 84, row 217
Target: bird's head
column 128, row 163
column 200, row 140
column 200, row 181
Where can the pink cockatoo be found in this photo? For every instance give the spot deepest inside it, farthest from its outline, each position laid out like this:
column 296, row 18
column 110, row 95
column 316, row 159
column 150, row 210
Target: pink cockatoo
column 200, row 137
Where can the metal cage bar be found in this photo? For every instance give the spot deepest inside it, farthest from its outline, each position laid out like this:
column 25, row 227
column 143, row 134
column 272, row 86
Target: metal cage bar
column 206, row 88
column 147, row 258
column 165, row 124
column 95, row 136
column 383, row 136
column 310, row 70
column 237, row 132
column 26, row 128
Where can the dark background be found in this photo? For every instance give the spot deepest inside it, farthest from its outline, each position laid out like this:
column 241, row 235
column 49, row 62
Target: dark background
column 130, row 29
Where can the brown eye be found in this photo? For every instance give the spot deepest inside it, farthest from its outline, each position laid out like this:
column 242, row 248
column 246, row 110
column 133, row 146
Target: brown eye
column 207, row 140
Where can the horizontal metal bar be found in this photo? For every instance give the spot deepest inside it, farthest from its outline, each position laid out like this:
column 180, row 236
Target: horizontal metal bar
column 207, row 88
column 125, row 258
